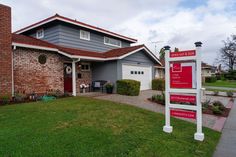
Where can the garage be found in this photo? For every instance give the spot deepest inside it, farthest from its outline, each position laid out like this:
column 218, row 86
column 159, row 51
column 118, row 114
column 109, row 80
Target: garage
column 139, row 73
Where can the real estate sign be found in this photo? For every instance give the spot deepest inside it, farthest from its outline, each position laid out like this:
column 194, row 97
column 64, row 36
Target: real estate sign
column 183, row 87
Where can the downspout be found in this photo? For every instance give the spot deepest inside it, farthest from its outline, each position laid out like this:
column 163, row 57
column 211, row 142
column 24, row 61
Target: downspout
column 12, row 69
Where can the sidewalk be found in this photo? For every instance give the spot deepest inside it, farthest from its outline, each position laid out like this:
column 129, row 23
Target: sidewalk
column 227, row 144
column 214, row 87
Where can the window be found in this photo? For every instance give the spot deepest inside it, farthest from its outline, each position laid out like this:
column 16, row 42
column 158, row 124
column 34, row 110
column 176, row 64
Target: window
column 39, row 33
column 112, row 42
column 85, row 67
column 85, row 35
column 42, row 59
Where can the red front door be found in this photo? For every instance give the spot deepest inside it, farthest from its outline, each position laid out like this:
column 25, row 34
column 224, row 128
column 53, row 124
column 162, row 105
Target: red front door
column 68, row 77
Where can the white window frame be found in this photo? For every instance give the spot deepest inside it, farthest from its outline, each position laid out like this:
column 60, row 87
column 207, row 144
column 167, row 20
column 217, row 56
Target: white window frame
column 85, row 69
column 112, row 44
column 81, row 37
column 37, row 34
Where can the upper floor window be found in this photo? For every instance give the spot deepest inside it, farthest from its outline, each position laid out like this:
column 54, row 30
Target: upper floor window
column 39, row 33
column 112, row 42
column 84, row 35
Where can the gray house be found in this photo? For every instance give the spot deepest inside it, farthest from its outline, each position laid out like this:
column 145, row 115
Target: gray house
column 86, row 53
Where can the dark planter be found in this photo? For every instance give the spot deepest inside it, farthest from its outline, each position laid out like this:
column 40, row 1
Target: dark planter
column 109, row 90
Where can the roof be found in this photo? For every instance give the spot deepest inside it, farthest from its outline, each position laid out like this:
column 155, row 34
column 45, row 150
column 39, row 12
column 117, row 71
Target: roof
column 75, row 22
column 118, row 53
column 206, row 66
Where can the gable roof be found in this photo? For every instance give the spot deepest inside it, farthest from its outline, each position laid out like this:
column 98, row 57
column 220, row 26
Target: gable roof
column 114, row 54
column 74, row 22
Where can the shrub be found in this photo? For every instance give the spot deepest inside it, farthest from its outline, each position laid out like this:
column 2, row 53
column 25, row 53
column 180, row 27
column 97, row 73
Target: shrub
column 231, row 75
column 211, row 79
column 56, row 93
column 158, row 84
column 128, row 87
column 159, row 98
column 5, row 99
column 216, row 110
column 229, row 93
column 206, row 103
column 219, row 105
column 215, row 92
column 19, row 97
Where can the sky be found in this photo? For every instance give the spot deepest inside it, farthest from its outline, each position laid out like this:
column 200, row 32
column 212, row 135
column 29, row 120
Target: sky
column 155, row 23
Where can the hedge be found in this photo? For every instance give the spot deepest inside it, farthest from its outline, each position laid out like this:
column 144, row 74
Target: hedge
column 158, row 84
column 211, row 79
column 128, row 87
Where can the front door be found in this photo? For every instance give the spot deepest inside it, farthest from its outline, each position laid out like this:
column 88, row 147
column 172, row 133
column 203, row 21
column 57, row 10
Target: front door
column 68, row 77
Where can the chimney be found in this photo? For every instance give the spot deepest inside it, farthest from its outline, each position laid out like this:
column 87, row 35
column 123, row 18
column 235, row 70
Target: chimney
column 5, row 51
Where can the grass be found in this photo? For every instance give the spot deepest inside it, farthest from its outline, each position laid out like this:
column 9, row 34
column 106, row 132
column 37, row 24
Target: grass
column 88, row 127
column 220, row 83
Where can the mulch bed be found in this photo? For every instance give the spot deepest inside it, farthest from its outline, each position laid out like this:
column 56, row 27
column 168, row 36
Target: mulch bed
column 208, row 110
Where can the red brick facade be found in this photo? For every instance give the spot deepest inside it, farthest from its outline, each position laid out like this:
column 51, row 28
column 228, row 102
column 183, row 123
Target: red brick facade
column 5, row 51
column 31, row 76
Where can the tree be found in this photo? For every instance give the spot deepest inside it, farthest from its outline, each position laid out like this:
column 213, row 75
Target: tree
column 176, row 49
column 227, row 54
column 162, row 53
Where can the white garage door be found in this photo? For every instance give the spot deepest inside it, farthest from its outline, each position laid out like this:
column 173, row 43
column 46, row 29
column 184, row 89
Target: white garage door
column 139, row 73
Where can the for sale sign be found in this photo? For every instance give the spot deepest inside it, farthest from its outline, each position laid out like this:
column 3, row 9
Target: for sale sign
column 183, row 87
column 182, row 75
column 183, row 114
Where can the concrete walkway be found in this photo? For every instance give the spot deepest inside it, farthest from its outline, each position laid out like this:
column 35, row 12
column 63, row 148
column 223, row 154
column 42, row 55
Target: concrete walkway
column 227, row 144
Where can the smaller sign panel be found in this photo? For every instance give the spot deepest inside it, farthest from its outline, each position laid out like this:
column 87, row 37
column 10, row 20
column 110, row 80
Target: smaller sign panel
column 183, row 98
column 183, row 114
column 183, row 54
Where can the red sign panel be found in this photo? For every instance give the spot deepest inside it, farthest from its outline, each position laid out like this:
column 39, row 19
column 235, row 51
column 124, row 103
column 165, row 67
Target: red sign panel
column 183, row 98
column 183, row 114
column 181, row 76
column 183, row 54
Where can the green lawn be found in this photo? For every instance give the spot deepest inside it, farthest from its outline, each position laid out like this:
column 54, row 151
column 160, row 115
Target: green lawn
column 220, row 83
column 85, row 127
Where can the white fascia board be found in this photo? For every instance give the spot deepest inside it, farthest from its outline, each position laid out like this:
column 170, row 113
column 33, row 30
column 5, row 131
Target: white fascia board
column 142, row 48
column 34, row 47
column 37, row 25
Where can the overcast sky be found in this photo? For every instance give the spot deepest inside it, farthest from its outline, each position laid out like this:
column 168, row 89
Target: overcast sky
column 178, row 23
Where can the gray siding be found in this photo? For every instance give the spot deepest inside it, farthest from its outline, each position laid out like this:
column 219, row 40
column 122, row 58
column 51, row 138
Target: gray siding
column 104, row 71
column 69, row 35
column 51, row 34
column 138, row 58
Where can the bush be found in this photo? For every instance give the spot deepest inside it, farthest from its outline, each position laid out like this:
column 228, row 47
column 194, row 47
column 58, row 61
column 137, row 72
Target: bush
column 229, row 93
column 5, row 99
column 219, row 105
column 211, row 79
column 231, row 75
column 215, row 92
column 128, row 87
column 158, row 84
column 159, row 98
column 216, row 110
column 206, row 103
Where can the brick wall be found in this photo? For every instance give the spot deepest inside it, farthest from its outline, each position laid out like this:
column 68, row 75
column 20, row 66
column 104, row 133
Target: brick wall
column 5, row 51
column 31, row 76
column 86, row 78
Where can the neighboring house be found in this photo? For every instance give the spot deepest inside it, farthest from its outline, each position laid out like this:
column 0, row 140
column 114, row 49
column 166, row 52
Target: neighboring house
column 59, row 53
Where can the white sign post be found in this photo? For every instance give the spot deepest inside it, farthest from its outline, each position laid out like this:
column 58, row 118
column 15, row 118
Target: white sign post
column 177, row 86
